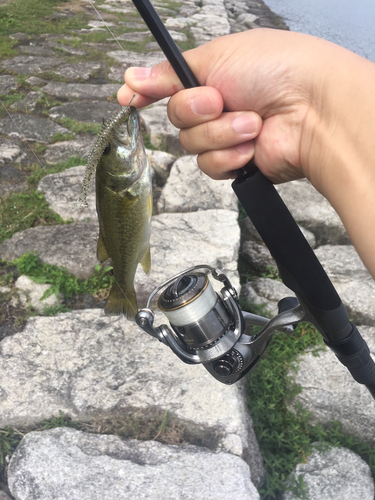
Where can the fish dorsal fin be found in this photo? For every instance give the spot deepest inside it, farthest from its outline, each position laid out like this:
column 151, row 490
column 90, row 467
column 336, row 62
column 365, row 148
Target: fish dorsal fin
column 96, row 153
column 146, row 261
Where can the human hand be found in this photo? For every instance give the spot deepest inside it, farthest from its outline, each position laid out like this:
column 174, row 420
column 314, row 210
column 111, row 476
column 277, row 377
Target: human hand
column 265, row 79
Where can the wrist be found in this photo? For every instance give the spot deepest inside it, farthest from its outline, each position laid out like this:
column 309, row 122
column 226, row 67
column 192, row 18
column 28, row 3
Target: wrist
column 338, row 147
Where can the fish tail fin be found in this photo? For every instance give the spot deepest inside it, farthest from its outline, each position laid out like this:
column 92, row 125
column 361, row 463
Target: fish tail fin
column 122, row 302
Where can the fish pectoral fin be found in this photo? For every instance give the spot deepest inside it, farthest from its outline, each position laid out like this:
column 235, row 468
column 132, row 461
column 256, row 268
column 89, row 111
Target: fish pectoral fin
column 146, row 261
column 101, row 251
column 122, row 302
column 126, row 205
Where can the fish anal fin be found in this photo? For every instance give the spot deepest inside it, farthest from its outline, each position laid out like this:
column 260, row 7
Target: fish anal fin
column 101, row 251
column 146, row 261
column 122, row 302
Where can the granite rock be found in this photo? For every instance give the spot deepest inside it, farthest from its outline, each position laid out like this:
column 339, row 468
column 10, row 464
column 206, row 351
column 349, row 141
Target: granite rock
column 30, row 128
column 27, row 104
column 63, row 150
column 188, row 189
column 161, row 132
column 72, row 246
column 90, row 112
column 7, row 83
column 30, row 294
column 336, row 474
column 265, row 293
column 87, row 364
column 61, row 190
column 93, row 467
column 310, row 209
column 330, row 393
column 351, row 279
column 29, row 65
column 80, row 90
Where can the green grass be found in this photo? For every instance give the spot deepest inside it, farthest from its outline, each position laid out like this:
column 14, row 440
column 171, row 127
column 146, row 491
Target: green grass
column 19, row 211
column 61, row 281
column 35, row 17
column 78, row 127
column 286, row 438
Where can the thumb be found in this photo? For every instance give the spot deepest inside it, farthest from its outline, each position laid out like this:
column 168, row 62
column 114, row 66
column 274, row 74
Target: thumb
column 153, row 84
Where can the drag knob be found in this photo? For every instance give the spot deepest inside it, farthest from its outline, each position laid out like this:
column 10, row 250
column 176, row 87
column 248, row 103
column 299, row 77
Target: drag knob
column 226, row 365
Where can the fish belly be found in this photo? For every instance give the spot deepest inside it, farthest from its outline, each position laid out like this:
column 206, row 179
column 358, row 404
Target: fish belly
column 125, row 231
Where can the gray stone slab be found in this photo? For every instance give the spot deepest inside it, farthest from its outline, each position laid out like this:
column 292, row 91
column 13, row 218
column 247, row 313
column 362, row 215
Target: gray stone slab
column 79, row 71
column 67, row 48
column 30, row 293
column 134, row 25
column 188, row 189
column 7, row 83
column 161, row 132
column 10, row 152
column 128, row 59
column 72, row 246
column 331, row 394
column 27, row 104
column 80, row 90
column 265, row 292
column 87, row 364
column 31, row 128
column 92, row 467
column 62, row 151
column 137, row 36
column 342, row 261
column 34, row 80
column 28, row 65
column 37, row 50
column 183, row 240
column 161, row 164
column 351, row 279
column 91, row 111
column 310, row 209
column 61, row 190
column 178, row 241
column 336, row 474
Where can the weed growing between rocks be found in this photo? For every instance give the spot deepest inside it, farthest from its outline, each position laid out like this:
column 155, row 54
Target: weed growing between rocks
column 285, row 438
column 19, row 211
column 161, row 426
column 61, row 281
column 35, row 17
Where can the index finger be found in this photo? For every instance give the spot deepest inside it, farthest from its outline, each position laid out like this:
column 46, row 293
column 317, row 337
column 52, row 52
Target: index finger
column 149, row 84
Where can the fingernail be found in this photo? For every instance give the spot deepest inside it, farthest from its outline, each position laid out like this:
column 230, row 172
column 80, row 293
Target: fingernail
column 246, row 123
column 137, row 73
column 201, row 105
column 245, row 148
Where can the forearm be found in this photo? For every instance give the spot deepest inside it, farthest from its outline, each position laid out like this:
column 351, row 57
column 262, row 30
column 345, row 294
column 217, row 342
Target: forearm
column 339, row 148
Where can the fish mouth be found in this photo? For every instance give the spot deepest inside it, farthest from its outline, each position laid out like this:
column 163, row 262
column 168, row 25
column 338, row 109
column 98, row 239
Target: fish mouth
column 126, row 133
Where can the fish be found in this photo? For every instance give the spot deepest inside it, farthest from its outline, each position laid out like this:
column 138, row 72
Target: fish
column 123, row 205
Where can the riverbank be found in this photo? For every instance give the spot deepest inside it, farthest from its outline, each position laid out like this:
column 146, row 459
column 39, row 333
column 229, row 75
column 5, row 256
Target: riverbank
column 132, row 417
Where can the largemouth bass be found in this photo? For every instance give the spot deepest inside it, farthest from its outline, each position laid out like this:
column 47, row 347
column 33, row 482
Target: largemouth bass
column 123, row 204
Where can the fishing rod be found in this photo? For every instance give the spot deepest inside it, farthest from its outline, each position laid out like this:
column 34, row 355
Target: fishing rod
column 210, row 328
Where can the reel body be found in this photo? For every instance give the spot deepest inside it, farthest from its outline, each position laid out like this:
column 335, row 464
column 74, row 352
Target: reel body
column 209, row 327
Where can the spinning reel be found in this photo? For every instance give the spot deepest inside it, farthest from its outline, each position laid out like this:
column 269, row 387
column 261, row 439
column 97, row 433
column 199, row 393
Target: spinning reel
column 209, row 327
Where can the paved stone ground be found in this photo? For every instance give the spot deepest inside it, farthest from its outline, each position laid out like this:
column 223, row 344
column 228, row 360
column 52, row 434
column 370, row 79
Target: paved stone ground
column 89, row 365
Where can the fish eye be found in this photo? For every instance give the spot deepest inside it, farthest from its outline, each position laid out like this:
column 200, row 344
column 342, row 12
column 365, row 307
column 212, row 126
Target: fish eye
column 107, row 149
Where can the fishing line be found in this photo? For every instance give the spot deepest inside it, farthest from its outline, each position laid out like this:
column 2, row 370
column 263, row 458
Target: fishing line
column 106, row 25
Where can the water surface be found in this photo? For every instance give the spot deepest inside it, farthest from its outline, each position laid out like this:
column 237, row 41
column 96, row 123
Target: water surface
column 347, row 23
